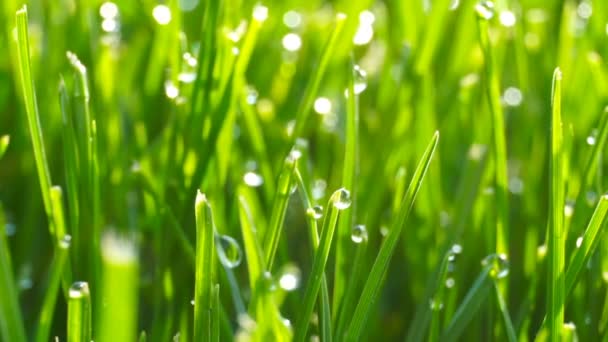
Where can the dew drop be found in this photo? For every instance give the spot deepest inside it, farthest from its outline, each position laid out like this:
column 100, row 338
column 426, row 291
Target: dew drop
column 579, row 242
column 341, row 199
column 171, row 90
column 268, row 282
column 507, row 18
column 485, row 10
column 449, row 283
column 228, row 251
column 253, row 179
column 290, row 279
column 358, row 233
column 456, row 249
column 360, row 79
column 292, row 42
column 322, row 105
column 315, row 212
column 436, row 305
column 498, row 263
column 108, row 10
column 260, row 13
column 591, row 198
column 318, row 189
column 252, row 95
column 162, row 14
column 590, row 140
column 569, row 208
column 79, row 289
column 186, row 77
column 292, row 19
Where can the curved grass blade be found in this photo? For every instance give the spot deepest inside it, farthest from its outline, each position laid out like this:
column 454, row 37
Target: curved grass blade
column 338, row 201
column 205, row 251
column 50, row 298
column 11, row 321
column 119, row 290
column 373, row 284
column 79, row 312
column 31, row 108
column 556, row 236
column 312, row 87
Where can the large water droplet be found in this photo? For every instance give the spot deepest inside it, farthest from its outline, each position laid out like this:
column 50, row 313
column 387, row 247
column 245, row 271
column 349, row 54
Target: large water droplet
column 358, row 234
column 228, row 251
column 341, row 199
column 79, row 289
column 485, row 9
column 315, row 212
column 498, row 263
column 162, row 14
column 171, row 90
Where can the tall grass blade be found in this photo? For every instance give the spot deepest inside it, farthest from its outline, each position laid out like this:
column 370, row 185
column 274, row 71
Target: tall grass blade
column 79, row 312
column 205, row 251
column 4, row 141
column 556, row 236
column 374, row 281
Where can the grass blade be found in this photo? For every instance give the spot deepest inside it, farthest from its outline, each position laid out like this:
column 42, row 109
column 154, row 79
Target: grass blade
column 556, row 236
column 205, row 251
column 50, row 298
column 4, row 141
column 11, row 321
column 338, row 201
column 374, row 281
column 31, row 108
column 215, row 318
column 119, row 290
column 502, row 305
column 79, row 312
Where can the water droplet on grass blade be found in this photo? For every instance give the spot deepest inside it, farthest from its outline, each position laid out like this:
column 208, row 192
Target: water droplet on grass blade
column 292, row 19
column 499, row 265
column 228, row 251
column 322, row 105
column 485, row 10
column 579, row 242
column 315, row 212
column 569, row 208
column 162, row 14
column 79, row 289
column 360, row 79
column 108, row 10
column 290, row 278
column 436, row 305
column 171, row 90
column 449, row 283
column 341, row 199
column 358, row 233
column 292, row 42
column 253, row 179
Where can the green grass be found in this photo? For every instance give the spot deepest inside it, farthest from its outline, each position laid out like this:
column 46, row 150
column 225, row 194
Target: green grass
column 332, row 210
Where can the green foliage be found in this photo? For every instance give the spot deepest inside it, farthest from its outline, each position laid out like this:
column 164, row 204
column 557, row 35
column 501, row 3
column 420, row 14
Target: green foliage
column 122, row 114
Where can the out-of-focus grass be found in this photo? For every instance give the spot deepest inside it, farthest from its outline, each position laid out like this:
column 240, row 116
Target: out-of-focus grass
column 120, row 112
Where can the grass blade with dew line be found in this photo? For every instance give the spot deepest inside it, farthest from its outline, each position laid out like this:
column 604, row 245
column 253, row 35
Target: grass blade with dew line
column 79, row 312
column 437, row 300
column 349, row 172
column 339, row 201
column 485, row 12
column 205, row 273
column 312, row 87
column 502, row 305
column 31, row 108
column 50, row 297
column 215, row 317
column 313, row 213
column 117, row 319
column 279, row 207
column 61, row 230
column 373, row 284
column 469, row 307
column 556, row 236
column 11, row 321
column 4, row 142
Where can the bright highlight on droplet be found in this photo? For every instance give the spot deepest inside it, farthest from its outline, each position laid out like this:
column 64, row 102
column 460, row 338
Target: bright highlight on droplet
column 507, row 18
column 171, row 90
column 260, row 13
column 292, row 19
column 365, row 31
column 108, row 10
column 322, row 105
column 109, row 25
column 485, row 9
column 162, row 14
column 289, row 281
column 513, row 97
column 253, row 179
column 292, row 42
column 584, row 10
column 579, row 242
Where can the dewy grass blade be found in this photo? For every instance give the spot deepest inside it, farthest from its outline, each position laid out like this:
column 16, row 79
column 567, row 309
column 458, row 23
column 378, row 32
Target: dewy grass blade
column 11, row 321
column 119, row 290
column 60, row 231
column 498, row 146
column 349, row 172
column 312, row 87
column 373, row 284
column 79, row 312
column 556, row 243
column 215, row 318
column 50, row 298
column 339, row 201
column 279, row 207
column 205, row 252
column 437, row 300
column 593, row 234
column 4, row 141
column 502, row 305
column 31, row 107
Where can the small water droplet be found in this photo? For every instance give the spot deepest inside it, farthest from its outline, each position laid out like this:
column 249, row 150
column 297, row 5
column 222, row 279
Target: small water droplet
column 512, row 96
column 192, row 302
column 485, row 10
column 516, row 185
column 290, row 279
column 292, row 19
column 507, row 18
column 315, row 212
column 590, row 140
column 228, row 251
column 253, row 179
column 498, row 263
column 383, row 230
column 108, row 10
column 292, row 42
column 360, row 80
column 171, row 90
column 252, row 95
column 10, row 229
column 591, row 198
column 186, row 77
column 358, row 233
column 579, row 242
column 341, row 199
column 456, row 249
column 569, row 208
column 260, row 13
column 268, row 282
column 25, row 283
column 435, row 305
column 449, row 283
column 162, row 14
